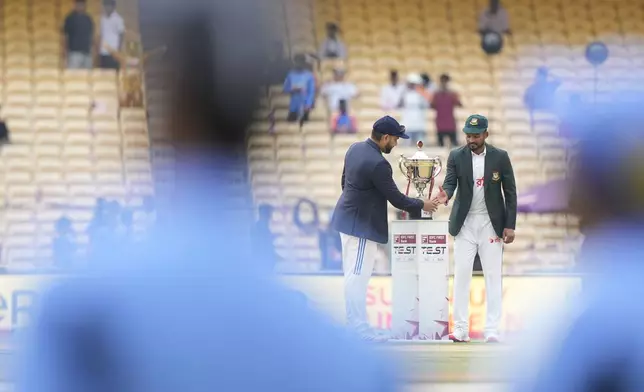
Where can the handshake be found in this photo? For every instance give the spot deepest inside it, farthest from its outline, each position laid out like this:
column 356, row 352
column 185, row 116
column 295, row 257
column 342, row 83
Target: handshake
column 432, row 205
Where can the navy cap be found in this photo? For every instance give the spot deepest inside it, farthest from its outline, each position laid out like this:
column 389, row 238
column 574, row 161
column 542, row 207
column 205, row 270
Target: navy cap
column 388, row 125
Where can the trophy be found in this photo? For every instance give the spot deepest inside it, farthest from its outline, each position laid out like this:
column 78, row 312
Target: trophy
column 420, row 170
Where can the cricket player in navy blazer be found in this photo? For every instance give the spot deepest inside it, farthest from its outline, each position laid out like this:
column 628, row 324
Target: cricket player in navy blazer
column 361, row 215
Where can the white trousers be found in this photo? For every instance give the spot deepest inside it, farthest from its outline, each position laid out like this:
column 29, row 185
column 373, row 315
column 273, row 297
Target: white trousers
column 477, row 235
column 358, row 259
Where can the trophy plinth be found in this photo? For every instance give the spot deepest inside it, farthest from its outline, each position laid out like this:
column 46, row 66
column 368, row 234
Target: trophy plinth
column 420, row 170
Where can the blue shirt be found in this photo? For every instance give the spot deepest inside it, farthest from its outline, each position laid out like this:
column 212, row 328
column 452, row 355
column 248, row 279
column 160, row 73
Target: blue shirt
column 304, row 81
column 604, row 348
column 344, row 121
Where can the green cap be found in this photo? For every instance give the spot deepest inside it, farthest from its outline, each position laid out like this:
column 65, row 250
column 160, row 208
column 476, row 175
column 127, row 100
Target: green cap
column 475, row 124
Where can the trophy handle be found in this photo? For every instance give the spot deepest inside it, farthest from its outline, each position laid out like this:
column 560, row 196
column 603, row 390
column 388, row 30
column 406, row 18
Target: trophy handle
column 439, row 167
column 403, row 168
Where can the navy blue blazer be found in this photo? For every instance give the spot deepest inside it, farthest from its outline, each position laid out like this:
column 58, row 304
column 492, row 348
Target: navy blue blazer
column 367, row 185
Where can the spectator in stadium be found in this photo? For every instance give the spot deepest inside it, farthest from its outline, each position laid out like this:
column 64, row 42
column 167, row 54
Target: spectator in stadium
column 330, row 245
column 4, row 132
column 428, row 84
column 494, row 19
column 64, row 245
column 427, row 88
column 540, row 96
column 98, row 219
column 310, row 65
column 126, row 228
column 106, row 236
column 278, row 65
column 78, row 35
column 131, row 63
column 337, row 90
column 112, row 33
column 572, row 116
column 414, row 106
column 444, row 103
column 342, row 121
column 332, row 47
column 149, row 212
column 391, row 94
column 263, row 237
column 300, row 85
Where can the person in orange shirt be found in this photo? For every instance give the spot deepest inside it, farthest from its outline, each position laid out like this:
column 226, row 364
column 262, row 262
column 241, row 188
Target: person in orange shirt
column 132, row 61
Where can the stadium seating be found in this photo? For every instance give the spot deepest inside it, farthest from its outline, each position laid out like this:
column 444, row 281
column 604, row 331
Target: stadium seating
column 440, row 36
column 70, row 141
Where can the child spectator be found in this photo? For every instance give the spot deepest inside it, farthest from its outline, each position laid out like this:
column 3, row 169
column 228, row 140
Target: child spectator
column 342, row 122
column 300, row 84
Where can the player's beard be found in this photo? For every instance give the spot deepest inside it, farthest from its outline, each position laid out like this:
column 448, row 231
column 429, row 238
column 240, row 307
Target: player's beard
column 474, row 146
column 387, row 149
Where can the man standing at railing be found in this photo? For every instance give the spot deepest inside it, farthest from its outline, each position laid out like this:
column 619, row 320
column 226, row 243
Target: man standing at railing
column 361, row 215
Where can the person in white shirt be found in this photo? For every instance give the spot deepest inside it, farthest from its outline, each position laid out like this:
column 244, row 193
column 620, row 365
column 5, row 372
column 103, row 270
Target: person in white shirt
column 338, row 90
column 332, row 47
column 391, row 94
column 414, row 106
column 112, row 31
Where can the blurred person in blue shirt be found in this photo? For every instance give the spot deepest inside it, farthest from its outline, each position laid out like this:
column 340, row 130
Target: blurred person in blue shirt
column 342, row 121
column 601, row 347
column 300, row 84
column 64, row 244
column 188, row 310
column 263, row 238
column 540, row 95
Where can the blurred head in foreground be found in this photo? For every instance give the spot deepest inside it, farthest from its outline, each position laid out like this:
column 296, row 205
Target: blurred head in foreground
column 595, row 348
column 186, row 312
column 607, row 169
